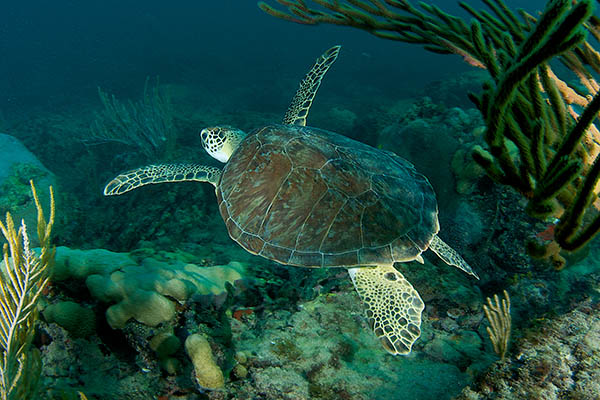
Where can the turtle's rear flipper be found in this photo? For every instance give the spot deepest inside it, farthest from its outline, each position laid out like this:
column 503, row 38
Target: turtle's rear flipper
column 161, row 173
column 450, row 256
column 393, row 306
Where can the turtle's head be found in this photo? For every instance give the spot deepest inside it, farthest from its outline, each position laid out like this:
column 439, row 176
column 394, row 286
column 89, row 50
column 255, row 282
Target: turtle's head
column 221, row 141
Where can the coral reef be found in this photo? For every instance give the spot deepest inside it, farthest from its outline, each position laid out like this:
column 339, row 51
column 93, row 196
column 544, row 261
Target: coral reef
column 294, row 333
column 415, row 127
column 343, row 119
column 314, row 349
column 143, row 292
column 166, row 344
column 556, row 360
column 71, row 365
column 319, row 352
column 467, row 172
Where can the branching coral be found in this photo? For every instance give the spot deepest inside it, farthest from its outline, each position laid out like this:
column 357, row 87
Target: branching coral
column 526, row 105
column 24, row 275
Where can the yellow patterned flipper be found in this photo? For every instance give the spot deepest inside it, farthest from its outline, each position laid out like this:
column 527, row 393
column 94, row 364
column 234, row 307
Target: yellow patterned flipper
column 298, row 109
column 393, row 306
column 161, row 173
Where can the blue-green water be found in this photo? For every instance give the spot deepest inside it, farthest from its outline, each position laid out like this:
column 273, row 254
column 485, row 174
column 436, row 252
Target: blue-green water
column 54, row 52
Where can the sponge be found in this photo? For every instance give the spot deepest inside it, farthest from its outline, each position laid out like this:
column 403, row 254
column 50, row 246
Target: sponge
column 79, row 321
column 208, row 374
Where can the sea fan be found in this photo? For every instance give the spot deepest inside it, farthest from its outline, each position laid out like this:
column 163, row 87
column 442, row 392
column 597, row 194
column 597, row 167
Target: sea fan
column 23, row 276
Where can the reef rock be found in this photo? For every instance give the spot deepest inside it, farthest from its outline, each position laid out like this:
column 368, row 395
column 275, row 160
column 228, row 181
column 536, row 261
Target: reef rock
column 17, row 167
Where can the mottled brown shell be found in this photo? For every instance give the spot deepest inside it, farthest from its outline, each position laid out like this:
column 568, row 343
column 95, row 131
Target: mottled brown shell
column 307, row 197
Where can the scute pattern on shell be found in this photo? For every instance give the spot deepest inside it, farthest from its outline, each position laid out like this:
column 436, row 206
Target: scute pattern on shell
column 308, row 197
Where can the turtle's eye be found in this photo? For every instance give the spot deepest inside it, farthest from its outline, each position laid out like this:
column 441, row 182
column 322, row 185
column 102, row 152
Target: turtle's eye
column 204, row 135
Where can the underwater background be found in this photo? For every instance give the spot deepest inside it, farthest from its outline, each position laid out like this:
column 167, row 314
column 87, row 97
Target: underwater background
column 136, row 275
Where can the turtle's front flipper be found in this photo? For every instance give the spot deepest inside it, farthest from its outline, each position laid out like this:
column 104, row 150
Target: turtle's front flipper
column 298, row 109
column 161, row 173
column 450, row 256
column 393, row 306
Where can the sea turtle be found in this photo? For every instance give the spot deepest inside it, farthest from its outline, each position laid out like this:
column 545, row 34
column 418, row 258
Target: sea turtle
column 311, row 198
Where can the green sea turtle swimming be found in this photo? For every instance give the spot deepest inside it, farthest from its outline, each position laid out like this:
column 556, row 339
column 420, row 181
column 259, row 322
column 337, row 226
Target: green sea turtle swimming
column 307, row 197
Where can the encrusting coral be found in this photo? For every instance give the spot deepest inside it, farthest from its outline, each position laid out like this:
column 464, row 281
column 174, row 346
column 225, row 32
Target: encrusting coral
column 143, row 292
column 550, row 121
